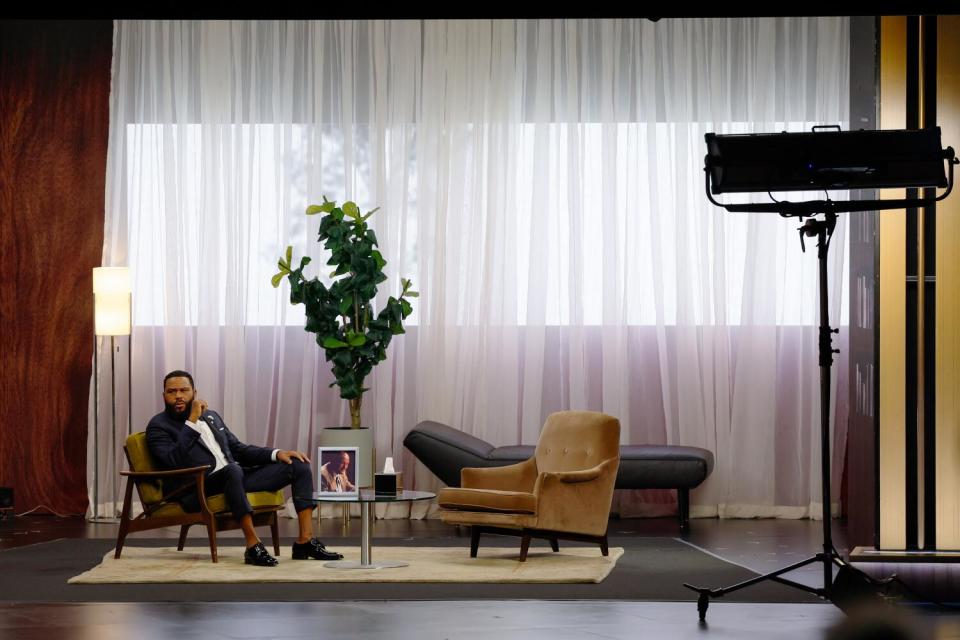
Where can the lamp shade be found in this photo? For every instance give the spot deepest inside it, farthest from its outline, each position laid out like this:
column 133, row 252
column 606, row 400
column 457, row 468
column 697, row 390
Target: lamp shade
column 111, row 280
column 111, row 301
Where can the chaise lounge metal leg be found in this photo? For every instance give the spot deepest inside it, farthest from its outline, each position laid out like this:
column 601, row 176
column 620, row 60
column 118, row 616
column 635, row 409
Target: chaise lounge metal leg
column 683, row 509
column 474, row 541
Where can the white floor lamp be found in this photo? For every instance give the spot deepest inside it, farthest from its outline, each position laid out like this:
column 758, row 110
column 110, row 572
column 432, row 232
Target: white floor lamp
column 112, row 302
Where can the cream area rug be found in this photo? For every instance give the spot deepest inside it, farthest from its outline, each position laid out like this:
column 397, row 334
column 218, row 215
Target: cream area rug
column 140, row 565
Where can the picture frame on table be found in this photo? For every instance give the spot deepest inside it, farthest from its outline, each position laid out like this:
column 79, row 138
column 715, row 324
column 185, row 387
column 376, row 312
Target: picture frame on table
column 337, row 472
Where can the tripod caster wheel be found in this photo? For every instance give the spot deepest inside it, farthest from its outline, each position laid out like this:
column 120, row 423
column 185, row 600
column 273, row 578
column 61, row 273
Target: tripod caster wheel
column 702, row 603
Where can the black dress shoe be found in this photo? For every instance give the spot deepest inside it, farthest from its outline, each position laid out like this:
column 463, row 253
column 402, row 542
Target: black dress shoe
column 313, row 548
column 257, row 555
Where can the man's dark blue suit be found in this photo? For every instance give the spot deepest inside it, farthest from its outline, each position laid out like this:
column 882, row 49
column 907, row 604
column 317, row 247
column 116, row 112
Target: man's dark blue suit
column 175, row 445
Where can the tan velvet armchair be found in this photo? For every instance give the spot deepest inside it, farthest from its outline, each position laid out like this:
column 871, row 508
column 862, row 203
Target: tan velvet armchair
column 563, row 491
column 161, row 509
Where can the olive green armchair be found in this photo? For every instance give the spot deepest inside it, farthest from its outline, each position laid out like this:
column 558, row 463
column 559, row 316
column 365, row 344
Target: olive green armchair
column 162, row 509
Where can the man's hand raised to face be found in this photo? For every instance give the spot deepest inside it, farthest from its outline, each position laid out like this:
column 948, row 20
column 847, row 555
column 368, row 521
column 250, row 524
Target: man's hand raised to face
column 197, row 407
column 288, row 456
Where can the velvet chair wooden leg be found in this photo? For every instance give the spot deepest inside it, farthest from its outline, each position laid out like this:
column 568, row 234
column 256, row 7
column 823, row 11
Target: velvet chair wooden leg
column 275, row 532
column 604, row 549
column 524, row 546
column 183, row 537
column 555, row 544
column 474, row 541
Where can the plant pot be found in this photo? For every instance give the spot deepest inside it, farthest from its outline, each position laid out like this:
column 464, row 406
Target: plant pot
column 361, row 438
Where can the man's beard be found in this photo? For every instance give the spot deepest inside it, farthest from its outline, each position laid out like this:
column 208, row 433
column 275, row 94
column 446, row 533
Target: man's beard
column 180, row 416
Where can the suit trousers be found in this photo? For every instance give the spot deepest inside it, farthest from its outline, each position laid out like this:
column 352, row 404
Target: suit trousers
column 234, row 482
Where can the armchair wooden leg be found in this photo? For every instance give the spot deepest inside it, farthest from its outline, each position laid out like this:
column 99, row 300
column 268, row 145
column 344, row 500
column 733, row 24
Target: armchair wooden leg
column 524, row 546
column 124, row 519
column 183, row 537
column 604, row 549
column 212, row 535
column 275, row 532
column 555, row 544
column 474, row 541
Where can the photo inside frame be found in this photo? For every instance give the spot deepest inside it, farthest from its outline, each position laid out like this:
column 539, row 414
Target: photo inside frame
column 337, row 470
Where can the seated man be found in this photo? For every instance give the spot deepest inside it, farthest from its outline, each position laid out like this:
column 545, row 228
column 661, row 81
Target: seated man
column 186, row 434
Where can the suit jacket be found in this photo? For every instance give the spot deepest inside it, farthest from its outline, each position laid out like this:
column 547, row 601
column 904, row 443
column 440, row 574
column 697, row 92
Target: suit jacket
column 174, row 445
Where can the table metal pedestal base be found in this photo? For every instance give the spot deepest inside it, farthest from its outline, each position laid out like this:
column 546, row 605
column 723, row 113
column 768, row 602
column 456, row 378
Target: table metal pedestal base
column 366, row 550
column 352, row 564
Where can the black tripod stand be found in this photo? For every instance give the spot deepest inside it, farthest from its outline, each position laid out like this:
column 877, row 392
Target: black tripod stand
column 823, row 230
column 826, row 160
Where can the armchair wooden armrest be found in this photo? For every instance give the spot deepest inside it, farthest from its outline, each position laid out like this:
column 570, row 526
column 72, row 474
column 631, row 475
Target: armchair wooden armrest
column 198, row 480
column 146, row 475
column 514, row 477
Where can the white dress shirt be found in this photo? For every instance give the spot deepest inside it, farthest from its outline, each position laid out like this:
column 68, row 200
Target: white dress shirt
column 206, row 436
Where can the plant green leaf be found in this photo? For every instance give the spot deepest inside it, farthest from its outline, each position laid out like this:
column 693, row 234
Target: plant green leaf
column 369, row 213
column 412, row 294
column 351, row 209
column 357, row 340
column 333, row 343
column 289, row 254
column 314, row 209
column 275, row 280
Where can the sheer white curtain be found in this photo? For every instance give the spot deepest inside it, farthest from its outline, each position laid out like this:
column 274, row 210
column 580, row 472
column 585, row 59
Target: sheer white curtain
column 540, row 181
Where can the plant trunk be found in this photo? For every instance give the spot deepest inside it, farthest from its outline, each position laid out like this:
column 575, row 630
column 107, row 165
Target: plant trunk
column 355, row 412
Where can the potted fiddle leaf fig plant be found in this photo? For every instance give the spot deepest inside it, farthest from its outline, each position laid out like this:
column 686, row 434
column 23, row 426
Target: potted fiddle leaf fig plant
column 353, row 337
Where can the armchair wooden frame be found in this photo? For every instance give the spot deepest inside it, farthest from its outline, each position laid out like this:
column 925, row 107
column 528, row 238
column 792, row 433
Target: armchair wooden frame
column 526, row 535
column 223, row 521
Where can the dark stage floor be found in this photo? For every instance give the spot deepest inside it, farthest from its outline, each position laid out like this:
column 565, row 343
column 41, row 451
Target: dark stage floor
column 760, row 545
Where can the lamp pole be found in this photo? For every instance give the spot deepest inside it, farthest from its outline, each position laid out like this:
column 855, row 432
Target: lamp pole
column 112, row 317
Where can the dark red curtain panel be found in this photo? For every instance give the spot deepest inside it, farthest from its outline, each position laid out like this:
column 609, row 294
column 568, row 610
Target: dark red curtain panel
column 54, row 105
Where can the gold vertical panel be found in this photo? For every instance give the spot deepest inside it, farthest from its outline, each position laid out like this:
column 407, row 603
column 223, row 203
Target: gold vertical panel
column 948, row 297
column 893, row 271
